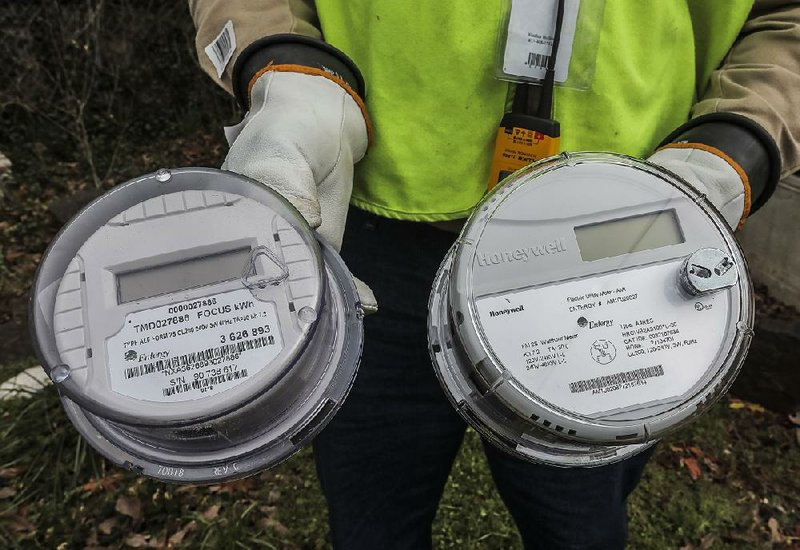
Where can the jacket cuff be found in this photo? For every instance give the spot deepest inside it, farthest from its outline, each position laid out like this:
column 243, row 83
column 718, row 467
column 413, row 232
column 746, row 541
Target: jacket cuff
column 742, row 140
column 292, row 49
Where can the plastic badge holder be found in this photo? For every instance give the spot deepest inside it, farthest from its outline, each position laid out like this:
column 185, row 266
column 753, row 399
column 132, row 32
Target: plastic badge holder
column 592, row 303
column 196, row 329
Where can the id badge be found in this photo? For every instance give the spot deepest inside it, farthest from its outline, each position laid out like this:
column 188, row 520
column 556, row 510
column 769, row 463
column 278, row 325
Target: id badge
column 525, row 42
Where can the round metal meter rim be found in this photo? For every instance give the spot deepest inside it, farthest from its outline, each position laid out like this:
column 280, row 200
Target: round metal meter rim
column 632, row 424
column 297, row 292
column 75, row 233
column 469, row 396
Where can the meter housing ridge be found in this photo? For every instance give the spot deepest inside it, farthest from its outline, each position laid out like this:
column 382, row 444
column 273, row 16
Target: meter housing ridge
column 592, row 303
column 195, row 327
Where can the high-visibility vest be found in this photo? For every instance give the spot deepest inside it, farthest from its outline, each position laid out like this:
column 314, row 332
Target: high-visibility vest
column 435, row 102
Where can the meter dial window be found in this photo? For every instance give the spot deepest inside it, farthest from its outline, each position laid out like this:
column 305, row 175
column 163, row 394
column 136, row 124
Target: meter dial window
column 179, row 276
column 625, row 235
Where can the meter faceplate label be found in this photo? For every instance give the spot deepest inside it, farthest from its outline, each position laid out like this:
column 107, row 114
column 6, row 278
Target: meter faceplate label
column 608, row 342
column 193, row 349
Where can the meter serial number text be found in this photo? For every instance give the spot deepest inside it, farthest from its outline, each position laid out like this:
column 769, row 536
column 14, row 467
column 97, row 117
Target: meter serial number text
column 161, row 323
column 193, row 305
column 198, row 365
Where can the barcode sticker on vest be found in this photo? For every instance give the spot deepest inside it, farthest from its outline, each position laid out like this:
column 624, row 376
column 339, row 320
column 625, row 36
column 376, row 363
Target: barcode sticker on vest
column 531, row 30
column 221, row 49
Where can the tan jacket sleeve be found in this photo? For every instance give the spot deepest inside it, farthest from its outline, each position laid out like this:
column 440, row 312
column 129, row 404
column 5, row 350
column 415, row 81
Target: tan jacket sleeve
column 252, row 20
column 760, row 77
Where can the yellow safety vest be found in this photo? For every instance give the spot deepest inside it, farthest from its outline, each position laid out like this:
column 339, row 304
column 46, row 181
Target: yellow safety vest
column 436, row 105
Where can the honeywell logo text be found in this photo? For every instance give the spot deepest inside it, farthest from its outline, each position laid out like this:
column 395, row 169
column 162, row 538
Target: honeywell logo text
column 507, row 311
column 521, row 254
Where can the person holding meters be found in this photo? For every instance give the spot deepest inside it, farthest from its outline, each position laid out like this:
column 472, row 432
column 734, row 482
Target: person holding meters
column 379, row 121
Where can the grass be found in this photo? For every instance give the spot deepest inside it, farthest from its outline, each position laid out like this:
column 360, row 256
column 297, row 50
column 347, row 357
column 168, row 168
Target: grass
column 55, row 492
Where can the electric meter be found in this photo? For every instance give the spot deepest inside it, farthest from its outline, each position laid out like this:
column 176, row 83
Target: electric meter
column 195, row 327
column 592, row 303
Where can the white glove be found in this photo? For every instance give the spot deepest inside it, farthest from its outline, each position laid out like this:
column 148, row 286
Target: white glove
column 301, row 138
column 718, row 177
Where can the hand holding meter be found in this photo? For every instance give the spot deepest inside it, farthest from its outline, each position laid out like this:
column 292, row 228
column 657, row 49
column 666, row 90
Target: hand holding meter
column 196, row 329
column 301, row 138
column 712, row 173
column 592, row 303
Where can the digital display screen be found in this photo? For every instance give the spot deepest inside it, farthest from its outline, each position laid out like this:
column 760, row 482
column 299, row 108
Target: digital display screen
column 183, row 275
column 623, row 236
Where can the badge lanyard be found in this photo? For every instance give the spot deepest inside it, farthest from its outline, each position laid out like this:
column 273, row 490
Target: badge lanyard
column 529, row 132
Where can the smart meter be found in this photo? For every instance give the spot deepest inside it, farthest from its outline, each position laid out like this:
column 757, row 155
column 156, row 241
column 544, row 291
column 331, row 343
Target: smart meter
column 592, row 303
column 195, row 327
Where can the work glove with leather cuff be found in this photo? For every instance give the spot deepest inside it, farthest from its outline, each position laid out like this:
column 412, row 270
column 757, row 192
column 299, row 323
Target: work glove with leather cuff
column 305, row 128
column 728, row 158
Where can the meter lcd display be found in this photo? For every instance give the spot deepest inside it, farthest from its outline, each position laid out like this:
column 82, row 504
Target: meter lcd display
column 633, row 234
column 183, row 275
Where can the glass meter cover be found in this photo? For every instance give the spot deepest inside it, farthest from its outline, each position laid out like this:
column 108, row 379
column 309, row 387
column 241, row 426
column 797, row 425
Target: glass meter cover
column 592, row 303
column 195, row 327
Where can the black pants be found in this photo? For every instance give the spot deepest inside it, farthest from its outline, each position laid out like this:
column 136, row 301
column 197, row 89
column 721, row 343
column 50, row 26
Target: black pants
column 384, row 459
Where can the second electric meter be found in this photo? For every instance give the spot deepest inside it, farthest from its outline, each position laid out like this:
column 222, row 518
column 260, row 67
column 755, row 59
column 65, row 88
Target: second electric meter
column 592, row 302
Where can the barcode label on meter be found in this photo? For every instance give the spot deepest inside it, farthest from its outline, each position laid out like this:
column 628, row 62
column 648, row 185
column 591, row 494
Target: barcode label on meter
column 204, row 383
column 186, row 360
column 603, row 382
column 607, row 342
column 154, row 362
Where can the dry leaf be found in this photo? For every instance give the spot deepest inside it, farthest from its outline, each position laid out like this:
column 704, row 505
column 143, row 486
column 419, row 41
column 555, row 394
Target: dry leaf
column 91, row 540
column 21, row 524
column 129, row 506
column 274, row 525
column 696, row 451
column 137, row 540
column 707, row 542
column 693, row 467
column 774, row 530
column 739, row 404
column 9, row 473
column 13, row 255
column 178, row 536
column 793, row 418
column 212, row 512
column 231, row 487
column 7, row 492
column 107, row 526
column 266, row 476
column 711, row 465
column 106, row 483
